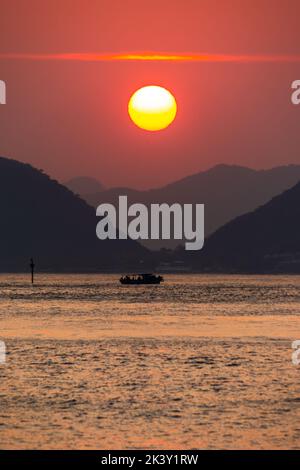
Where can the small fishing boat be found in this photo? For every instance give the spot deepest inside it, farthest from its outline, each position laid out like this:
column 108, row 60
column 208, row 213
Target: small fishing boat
column 138, row 279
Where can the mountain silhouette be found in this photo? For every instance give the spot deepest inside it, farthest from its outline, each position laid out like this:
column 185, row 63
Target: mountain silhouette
column 226, row 190
column 266, row 240
column 84, row 185
column 42, row 219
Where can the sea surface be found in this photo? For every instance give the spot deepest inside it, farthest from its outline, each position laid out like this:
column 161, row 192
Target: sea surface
column 200, row 362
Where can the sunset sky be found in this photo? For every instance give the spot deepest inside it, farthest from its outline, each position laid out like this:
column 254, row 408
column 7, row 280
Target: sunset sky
column 69, row 117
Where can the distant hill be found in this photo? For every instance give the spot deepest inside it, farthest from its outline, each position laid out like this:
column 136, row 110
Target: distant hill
column 84, row 185
column 43, row 219
column 266, row 240
column 227, row 192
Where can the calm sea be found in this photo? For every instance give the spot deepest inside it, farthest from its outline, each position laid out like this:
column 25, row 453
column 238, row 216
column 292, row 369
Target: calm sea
column 198, row 362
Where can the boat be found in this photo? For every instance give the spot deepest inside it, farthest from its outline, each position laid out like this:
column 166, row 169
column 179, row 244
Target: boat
column 138, row 279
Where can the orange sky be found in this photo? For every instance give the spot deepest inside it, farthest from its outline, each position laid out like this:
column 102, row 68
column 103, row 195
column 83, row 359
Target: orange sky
column 69, row 117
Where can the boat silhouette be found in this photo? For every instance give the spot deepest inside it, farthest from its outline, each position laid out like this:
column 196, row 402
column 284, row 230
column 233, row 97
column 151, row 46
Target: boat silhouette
column 137, row 279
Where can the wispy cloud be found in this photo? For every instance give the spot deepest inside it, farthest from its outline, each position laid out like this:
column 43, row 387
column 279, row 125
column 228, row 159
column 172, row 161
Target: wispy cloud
column 166, row 57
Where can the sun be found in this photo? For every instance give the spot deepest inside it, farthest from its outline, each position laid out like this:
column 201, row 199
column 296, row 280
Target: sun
column 152, row 108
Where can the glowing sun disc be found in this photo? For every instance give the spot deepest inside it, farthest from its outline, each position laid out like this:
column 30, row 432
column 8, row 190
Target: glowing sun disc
column 152, row 108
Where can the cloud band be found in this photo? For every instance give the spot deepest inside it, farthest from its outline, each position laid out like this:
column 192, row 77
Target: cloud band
column 155, row 57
